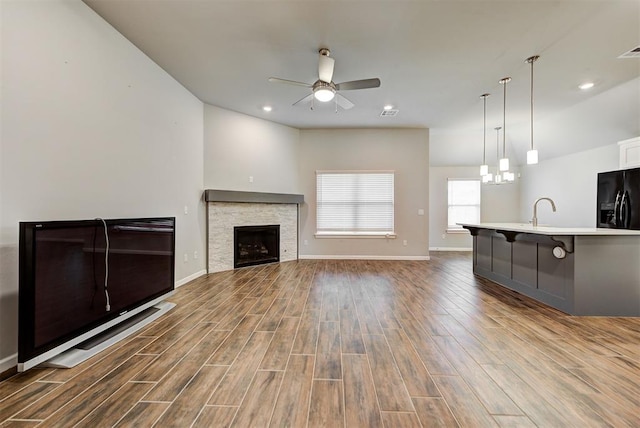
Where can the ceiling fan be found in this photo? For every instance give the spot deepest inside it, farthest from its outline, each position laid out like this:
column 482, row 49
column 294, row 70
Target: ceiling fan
column 323, row 89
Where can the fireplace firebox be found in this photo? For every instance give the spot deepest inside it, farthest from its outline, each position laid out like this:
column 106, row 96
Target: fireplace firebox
column 255, row 245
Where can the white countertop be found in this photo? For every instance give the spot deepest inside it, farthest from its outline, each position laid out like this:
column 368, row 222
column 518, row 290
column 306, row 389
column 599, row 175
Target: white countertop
column 548, row 230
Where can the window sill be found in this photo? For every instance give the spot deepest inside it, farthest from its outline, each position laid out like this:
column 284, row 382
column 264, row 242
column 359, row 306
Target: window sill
column 457, row 231
column 365, row 235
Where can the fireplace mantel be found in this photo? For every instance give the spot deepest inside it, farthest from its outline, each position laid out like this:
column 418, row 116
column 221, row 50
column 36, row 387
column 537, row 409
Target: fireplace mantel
column 212, row 195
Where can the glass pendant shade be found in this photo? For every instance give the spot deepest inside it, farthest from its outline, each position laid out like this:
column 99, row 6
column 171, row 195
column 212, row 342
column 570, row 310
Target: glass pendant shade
column 498, row 179
column 487, row 178
column 509, row 176
column 504, row 164
column 532, row 157
column 484, row 170
column 324, row 95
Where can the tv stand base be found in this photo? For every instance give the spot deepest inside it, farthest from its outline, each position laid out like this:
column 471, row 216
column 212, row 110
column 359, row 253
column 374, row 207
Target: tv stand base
column 87, row 349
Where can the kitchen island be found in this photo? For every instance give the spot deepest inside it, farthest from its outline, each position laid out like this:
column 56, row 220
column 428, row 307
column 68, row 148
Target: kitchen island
column 580, row 271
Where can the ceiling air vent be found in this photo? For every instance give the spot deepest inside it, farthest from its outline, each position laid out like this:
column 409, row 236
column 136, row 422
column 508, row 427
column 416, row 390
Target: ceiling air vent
column 384, row 113
column 633, row 53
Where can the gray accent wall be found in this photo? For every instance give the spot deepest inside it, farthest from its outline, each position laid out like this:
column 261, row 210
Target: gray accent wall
column 91, row 127
column 406, row 151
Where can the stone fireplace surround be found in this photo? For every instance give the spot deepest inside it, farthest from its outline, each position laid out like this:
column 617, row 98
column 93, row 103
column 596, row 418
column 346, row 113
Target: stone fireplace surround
column 227, row 209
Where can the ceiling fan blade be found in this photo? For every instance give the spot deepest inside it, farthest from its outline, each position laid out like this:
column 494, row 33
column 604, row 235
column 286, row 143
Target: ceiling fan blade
column 358, row 84
column 288, row 82
column 304, row 100
column 325, row 68
column 343, row 102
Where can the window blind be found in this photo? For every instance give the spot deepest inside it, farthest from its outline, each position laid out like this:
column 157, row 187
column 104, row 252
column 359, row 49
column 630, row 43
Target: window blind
column 354, row 202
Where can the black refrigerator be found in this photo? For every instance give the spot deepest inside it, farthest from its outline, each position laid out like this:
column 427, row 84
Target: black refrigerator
column 619, row 199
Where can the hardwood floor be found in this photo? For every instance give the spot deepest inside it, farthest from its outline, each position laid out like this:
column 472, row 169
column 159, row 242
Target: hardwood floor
column 347, row 343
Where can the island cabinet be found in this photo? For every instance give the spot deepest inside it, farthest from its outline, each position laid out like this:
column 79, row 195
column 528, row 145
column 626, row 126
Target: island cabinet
column 579, row 271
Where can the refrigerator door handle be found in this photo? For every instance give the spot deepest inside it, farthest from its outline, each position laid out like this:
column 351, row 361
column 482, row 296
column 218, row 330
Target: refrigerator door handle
column 624, row 218
column 617, row 218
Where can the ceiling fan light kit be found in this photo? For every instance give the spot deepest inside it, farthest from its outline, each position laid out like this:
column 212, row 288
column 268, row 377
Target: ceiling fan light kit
column 323, row 89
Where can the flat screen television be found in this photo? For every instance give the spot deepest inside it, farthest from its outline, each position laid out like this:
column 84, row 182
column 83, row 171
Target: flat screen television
column 78, row 278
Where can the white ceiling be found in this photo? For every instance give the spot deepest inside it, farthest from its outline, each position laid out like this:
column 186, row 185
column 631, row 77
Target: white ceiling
column 434, row 59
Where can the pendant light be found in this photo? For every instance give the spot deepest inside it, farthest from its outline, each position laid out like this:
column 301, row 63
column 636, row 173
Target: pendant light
column 504, row 161
column 532, row 154
column 484, row 168
column 498, row 177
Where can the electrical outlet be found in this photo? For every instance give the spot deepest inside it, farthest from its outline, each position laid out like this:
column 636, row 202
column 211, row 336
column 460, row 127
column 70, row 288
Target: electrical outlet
column 251, row 179
column 195, row 255
column 444, row 236
column 404, row 242
column 186, row 210
column 186, row 257
column 306, row 242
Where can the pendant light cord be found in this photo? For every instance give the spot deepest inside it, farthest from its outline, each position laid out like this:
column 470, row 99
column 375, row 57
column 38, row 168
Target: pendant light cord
column 531, row 60
column 532, row 104
column 504, row 81
column 498, row 128
column 484, row 130
column 504, row 121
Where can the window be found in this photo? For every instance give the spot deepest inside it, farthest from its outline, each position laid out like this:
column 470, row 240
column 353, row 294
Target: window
column 464, row 203
column 354, row 203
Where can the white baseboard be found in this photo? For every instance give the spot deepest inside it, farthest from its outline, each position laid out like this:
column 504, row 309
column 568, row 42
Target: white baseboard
column 450, row 249
column 356, row 257
column 8, row 362
column 191, row 277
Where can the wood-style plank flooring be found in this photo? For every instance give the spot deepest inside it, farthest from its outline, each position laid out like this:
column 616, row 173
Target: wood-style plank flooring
column 347, row 343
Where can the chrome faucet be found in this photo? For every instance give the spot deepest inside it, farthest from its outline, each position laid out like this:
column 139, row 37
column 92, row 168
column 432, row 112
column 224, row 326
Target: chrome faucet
column 534, row 220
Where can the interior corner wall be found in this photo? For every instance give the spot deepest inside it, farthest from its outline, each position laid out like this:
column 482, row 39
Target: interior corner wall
column 499, row 204
column 238, row 146
column 91, row 127
column 571, row 181
column 406, row 151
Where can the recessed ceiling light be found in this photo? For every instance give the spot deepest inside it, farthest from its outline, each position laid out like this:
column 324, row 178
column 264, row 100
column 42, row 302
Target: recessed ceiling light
column 267, row 108
column 586, row 85
column 388, row 107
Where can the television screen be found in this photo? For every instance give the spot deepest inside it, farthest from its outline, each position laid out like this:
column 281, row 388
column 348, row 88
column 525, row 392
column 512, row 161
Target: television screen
column 78, row 275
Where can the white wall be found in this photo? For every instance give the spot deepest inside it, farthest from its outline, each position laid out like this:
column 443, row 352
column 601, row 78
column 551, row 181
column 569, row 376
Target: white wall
column 498, row 204
column 91, row 127
column 571, row 181
column 404, row 150
column 237, row 146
